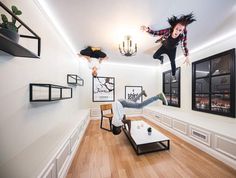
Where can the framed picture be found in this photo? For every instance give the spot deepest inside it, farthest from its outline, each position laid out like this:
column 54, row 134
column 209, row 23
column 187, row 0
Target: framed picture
column 132, row 92
column 103, row 89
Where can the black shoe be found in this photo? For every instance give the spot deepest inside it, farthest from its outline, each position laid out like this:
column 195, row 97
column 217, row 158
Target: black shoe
column 144, row 93
column 161, row 59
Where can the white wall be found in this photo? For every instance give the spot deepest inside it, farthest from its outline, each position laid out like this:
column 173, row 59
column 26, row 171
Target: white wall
column 125, row 75
column 22, row 122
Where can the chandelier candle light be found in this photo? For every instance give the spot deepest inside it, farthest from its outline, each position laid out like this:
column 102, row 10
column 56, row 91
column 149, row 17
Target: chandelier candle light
column 127, row 48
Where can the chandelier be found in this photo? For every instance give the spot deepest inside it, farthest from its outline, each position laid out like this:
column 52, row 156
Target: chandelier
column 127, row 48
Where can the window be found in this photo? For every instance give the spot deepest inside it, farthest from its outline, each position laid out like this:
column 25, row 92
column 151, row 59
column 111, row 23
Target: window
column 172, row 89
column 214, row 84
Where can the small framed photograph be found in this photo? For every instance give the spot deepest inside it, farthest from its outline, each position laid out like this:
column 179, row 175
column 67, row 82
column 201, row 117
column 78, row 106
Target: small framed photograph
column 131, row 92
column 103, row 89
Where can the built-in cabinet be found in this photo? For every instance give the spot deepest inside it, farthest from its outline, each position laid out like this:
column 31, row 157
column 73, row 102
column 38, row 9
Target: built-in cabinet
column 214, row 84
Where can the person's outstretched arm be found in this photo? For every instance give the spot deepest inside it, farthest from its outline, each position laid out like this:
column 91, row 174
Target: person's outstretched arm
column 155, row 33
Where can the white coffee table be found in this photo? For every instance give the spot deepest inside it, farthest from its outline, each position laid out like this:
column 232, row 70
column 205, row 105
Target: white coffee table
column 143, row 142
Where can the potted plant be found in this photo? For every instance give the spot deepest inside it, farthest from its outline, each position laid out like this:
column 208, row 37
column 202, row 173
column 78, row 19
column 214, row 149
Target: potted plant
column 9, row 29
column 149, row 129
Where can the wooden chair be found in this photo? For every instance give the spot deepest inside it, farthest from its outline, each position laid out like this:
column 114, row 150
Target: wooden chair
column 106, row 112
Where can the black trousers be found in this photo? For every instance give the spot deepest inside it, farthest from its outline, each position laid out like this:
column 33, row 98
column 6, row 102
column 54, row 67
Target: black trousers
column 171, row 53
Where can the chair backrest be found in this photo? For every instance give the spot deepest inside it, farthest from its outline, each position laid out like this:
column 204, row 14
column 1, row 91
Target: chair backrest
column 106, row 107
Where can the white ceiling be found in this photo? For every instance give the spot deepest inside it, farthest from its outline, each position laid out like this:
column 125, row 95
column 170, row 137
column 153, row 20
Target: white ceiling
column 104, row 23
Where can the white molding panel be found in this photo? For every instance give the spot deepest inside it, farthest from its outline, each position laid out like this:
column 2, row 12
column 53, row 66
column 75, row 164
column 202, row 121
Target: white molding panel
column 95, row 112
column 63, row 159
column 166, row 120
column 73, row 139
column 200, row 135
column 226, row 146
column 180, row 126
column 157, row 117
column 51, row 172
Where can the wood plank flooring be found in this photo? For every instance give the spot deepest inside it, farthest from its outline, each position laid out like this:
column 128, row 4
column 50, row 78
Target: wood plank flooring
column 104, row 155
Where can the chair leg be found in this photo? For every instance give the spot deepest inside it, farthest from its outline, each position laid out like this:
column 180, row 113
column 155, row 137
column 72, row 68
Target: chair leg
column 101, row 122
column 110, row 121
column 103, row 127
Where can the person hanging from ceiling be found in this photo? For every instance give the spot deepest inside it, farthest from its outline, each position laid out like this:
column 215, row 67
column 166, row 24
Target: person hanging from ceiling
column 119, row 119
column 95, row 56
column 170, row 38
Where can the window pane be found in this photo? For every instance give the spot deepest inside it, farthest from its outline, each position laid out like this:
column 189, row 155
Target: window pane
column 202, row 85
column 221, row 65
column 220, row 103
column 174, row 90
column 202, row 69
column 174, row 100
column 220, row 84
column 168, row 98
column 175, row 85
column 202, row 102
column 167, row 88
column 177, row 75
column 167, row 77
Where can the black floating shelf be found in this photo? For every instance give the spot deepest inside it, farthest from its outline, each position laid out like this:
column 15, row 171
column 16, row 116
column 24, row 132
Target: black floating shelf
column 48, row 92
column 74, row 79
column 15, row 49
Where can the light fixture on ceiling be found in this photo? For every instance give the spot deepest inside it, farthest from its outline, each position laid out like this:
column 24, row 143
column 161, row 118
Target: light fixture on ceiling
column 127, row 48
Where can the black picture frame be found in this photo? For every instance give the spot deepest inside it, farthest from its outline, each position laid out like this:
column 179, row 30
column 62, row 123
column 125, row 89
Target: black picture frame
column 103, row 89
column 217, row 75
column 172, row 89
column 132, row 91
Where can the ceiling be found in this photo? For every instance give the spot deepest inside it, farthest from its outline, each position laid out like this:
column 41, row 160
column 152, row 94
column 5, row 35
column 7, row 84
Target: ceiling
column 104, row 23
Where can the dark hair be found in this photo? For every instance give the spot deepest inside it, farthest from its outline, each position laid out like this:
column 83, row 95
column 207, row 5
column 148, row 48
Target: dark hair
column 183, row 20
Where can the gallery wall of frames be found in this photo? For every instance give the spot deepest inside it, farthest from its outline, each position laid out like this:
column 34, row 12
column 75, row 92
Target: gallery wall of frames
column 213, row 84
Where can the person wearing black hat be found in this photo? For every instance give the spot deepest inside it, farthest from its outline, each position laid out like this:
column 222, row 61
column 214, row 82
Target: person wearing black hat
column 95, row 57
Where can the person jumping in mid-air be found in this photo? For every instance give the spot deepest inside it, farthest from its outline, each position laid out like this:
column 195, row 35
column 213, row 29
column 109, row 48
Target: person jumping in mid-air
column 119, row 118
column 170, row 38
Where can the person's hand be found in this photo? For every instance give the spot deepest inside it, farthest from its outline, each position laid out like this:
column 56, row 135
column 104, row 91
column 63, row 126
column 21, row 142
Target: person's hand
column 187, row 61
column 144, row 28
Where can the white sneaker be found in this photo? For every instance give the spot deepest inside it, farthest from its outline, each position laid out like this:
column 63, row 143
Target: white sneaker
column 162, row 97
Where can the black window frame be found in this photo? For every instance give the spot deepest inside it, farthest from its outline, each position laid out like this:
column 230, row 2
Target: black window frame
column 170, row 94
column 210, row 94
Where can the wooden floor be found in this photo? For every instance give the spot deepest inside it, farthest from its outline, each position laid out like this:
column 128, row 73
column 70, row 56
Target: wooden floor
column 103, row 155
